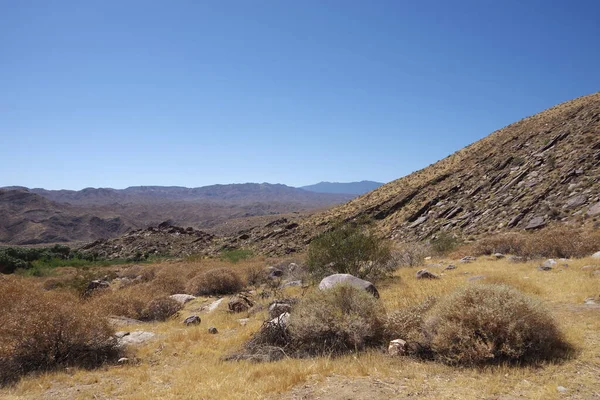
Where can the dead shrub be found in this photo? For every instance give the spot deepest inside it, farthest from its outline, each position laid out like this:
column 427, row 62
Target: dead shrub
column 128, row 302
column 145, row 273
column 410, row 254
column 256, row 275
column 407, row 323
column 160, row 309
column 339, row 320
column 492, row 323
column 556, row 242
column 169, row 281
column 44, row 330
column 217, row 281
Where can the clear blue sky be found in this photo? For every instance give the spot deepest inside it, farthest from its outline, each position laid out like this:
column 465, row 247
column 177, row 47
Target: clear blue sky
column 192, row 93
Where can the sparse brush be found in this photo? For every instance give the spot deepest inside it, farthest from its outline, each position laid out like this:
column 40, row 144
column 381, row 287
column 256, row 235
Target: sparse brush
column 407, row 323
column 492, row 323
column 217, row 281
column 338, row 320
column 169, row 281
column 46, row 330
column 160, row 309
column 410, row 254
column 128, row 302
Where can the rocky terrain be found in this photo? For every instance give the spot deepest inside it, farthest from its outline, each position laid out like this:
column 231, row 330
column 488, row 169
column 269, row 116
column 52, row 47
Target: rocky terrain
column 540, row 171
column 35, row 216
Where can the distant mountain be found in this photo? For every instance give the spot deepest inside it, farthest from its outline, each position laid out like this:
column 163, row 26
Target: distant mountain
column 356, row 188
column 239, row 194
column 31, row 216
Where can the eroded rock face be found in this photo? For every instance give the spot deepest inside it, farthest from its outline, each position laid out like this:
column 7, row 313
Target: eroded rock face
column 347, row 279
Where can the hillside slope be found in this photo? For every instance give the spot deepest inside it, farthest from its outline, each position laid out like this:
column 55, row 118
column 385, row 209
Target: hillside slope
column 542, row 170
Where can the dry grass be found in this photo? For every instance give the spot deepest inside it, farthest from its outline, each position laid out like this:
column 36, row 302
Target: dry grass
column 216, row 281
column 185, row 363
column 555, row 242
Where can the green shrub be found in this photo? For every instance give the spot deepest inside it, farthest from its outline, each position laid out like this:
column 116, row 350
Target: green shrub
column 444, row 243
column 338, row 320
column 350, row 249
column 217, row 281
column 235, row 255
column 491, row 323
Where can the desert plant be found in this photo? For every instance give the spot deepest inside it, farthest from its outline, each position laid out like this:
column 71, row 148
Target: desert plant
column 350, row 249
column 44, row 330
column 160, row 309
column 339, row 320
column 216, row 281
column 407, row 323
column 491, row 323
column 444, row 243
column 130, row 302
column 236, row 255
column 410, row 254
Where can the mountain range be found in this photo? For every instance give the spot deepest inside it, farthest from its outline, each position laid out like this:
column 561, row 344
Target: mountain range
column 356, row 188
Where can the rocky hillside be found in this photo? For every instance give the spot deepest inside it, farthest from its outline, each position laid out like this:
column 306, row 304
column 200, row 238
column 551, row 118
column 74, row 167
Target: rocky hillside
column 28, row 218
column 540, row 171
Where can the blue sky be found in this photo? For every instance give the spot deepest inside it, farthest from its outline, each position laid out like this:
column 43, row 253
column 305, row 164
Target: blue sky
column 192, row 93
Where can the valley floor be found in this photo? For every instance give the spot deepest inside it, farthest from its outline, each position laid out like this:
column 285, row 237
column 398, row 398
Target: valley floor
column 185, row 362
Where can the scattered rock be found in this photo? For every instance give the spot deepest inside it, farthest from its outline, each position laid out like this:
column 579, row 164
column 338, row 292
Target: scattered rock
column 594, row 210
column 561, row 389
column 96, row 284
column 589, row 267
column 276, row 309
column 515, row 259
column 240, row 303
column 280, row 321
column 418, row 221
column 123, row 360
column 449, row 267
column 293, row 267
column 547, row 265
column 213, row 306
column 596, row 255
column 192, row 320
column 590, row 301
column 536, row 223
column 424, row 274
column 212, row 330
column 397, row 347
column 292, row 283
column 498, row 256
column 575, row 201
column 347, row 279
column 273, row 272
column 468, row 259
column 135, row 338
column 182, row 298
column 243, row 321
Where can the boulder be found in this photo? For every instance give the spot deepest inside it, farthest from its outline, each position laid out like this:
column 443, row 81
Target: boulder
column 449, row 267
column 498, row 256
column 594, row 210
column 192, row 320
column 468, row 259
column 596, row 255
column 212, row 330
column 239, row 303
column 182, row 298
column 280, row 321
column 133, row 338
column 547, row 265
column 536, row 223
column 347, row 279
column 276, row 309
column 424, row 274
column 575, row 201
column 97, row 284
column 397, row 347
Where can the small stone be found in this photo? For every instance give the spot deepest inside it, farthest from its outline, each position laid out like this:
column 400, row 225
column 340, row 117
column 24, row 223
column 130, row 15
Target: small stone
column 596, row 255
column 212, row 330
column 192, row 320
column 451, row 266
column 397, row 347
column 424, row 274
column 498, row 256
column 243, row 321
column 468, row 259
column 182, row 298
column 561, row 389
column 536, row 223
column 515, row 259
column 123, row 360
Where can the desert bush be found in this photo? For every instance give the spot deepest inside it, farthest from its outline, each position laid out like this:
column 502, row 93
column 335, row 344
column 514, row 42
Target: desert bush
column 169, row 281
column 128, row 302
column 407, row 323
column 339, row 320
column 443, row 243
column 410, row 254
column 256, row 275
column 236, row 255
column 216, row 281
column 555, row 242
column 160, row 309
column 44, row 330
column 491, row 323
column 350, row 249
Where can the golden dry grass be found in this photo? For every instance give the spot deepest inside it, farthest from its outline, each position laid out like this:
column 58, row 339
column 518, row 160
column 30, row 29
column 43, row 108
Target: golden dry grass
column 185, row 363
